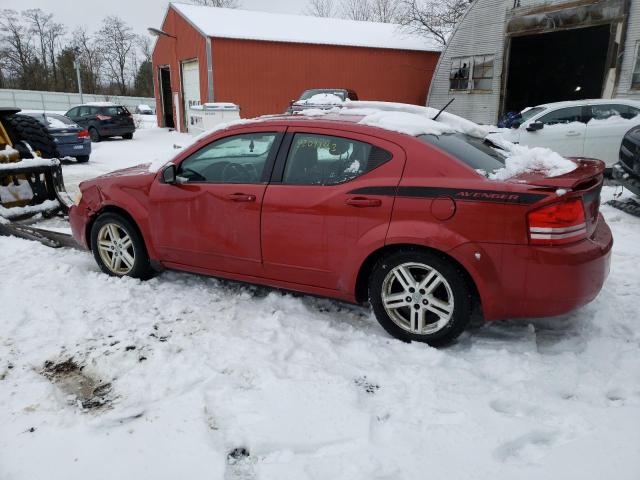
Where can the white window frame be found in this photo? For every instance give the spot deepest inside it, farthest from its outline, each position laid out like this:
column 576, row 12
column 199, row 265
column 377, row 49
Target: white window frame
column 470, row 60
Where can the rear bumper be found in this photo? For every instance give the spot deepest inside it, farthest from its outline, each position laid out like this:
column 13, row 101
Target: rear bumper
column 626, row 177
column 543, row 281
column 75, row 149
column 115, row 131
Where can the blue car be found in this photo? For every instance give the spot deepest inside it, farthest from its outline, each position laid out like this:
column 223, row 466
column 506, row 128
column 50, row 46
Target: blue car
column 71, row 139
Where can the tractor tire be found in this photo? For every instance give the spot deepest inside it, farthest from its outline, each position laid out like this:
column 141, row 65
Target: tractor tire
column 24, row 129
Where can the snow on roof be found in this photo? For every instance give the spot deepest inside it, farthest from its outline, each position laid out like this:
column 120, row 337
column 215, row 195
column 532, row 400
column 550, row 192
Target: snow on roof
column 277, row 27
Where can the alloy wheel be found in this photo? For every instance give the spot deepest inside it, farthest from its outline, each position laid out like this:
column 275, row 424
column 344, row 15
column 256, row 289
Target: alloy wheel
column 116, row 249
column 417, row 298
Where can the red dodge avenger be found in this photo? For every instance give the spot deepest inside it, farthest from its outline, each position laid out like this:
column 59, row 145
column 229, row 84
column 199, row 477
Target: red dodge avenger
column 330, row 206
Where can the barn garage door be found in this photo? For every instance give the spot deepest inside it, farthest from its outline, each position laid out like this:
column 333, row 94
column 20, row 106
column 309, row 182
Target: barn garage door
column 190, row 88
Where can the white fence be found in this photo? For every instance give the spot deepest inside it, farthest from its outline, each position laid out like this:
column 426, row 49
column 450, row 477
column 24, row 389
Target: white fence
column 60, row 101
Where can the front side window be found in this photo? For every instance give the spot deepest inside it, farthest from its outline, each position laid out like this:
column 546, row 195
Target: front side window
column 635, row 77
column 459, row 75
column 328, row 160
column 562, row 116
column 236, row 159
column 482, row 72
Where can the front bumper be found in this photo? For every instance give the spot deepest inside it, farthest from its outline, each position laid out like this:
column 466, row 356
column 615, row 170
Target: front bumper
column 626, row 177
column 78, row 219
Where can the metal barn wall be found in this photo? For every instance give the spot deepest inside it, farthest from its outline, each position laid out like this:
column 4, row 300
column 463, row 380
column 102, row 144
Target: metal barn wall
column 482, row 31
column 479, row 32
column 262, row 77
column 188, row 44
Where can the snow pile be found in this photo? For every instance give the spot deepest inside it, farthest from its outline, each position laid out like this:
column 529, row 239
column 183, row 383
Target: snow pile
column 521, row 159
column 29, row 162
column 321, row 99
column 54, row 122
column 102, row 104
column 408, row 123
column 614, row 120
column 45, row 206
column 7, row 153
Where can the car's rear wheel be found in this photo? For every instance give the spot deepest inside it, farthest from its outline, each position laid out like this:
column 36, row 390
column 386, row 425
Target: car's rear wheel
column 127, row 136
column 82, row 158
column 119, row 248
column 420, row 296
column 95, row 136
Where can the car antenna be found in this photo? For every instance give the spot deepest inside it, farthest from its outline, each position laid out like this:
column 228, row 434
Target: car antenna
column 443, row 109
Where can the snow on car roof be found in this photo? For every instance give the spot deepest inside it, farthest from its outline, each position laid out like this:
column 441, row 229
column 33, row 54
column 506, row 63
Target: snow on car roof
column 278, row 27
column 589, row 101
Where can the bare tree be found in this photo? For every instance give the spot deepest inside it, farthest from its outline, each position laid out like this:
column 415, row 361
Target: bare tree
column 117, row 46
column 385, row 11
column 321, row 8
column 432, row 18
column 16, row 49
column 217, row 3
column 37, row 22
column 145, row 46
column 357, row 10
column 90, row 56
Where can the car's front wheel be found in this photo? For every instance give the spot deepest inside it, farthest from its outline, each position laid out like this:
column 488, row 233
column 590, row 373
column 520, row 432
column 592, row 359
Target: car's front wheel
column 119, row 248
column 420, row 296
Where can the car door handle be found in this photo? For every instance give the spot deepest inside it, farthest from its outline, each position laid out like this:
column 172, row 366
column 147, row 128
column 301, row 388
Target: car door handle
column 573, row 134
column 241, row 197
column 364, row 202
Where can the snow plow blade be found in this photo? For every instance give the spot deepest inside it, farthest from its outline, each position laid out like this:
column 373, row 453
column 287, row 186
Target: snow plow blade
column 46, row 237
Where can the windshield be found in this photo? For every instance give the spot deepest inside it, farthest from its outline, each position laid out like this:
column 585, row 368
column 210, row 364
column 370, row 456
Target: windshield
column 478, row 153
column 318, row 91
column 528, row 113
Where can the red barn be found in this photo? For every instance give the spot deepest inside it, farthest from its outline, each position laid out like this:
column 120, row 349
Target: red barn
column 261, row 61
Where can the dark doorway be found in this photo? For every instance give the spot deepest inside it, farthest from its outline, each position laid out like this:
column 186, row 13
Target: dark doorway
column 552, row 67
column 165, row 97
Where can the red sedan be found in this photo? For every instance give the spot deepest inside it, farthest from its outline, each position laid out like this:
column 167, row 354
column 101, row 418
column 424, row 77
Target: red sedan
column 331, row 207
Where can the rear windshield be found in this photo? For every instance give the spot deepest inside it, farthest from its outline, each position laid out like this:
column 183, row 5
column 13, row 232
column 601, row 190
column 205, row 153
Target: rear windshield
column 310, row 93
column 114, row 111
column 478, row 153
column 55, row 118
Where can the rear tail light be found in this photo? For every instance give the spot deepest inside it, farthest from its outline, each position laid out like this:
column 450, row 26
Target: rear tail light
column 103, row 117
column 83, row 134
column 558, row 224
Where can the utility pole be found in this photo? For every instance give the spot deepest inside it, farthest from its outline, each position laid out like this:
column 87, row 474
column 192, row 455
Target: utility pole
column 76, row 63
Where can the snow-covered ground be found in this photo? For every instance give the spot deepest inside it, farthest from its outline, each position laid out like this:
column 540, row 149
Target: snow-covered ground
column 178, row 372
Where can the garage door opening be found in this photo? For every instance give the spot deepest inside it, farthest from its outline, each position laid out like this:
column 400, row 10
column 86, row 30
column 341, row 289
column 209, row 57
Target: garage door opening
column 552, row 67
column 165, row 96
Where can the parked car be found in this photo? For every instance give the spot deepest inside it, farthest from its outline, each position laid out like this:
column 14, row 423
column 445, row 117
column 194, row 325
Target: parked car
column 321, row 98
column 627, row 171
column 331, row 207
column 71, row 139
column 103, row 120
column 584, row 128
column 143, row 109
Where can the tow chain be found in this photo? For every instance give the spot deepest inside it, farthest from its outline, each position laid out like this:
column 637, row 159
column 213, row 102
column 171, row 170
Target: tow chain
column 629, row 205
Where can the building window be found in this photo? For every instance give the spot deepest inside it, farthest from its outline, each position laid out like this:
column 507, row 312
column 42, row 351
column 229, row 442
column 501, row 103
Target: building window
column 635, row 77
column 482, row 72
column 459, row 76
column 471, row 73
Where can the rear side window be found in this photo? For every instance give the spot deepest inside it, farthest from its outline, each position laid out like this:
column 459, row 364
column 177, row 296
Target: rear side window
column 562, row 116
column 114, row 111
column 328, row 160
column 477, row 153
column 605, row 111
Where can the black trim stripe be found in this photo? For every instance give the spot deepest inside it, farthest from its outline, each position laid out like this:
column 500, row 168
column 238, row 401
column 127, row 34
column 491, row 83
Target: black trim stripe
column 461, row 194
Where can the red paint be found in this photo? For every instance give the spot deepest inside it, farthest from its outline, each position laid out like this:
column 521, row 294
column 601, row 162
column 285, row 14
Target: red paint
column 316, row 239
column 263, row 77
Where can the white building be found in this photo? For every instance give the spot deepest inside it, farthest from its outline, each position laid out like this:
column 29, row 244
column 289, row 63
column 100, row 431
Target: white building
column 505, row 55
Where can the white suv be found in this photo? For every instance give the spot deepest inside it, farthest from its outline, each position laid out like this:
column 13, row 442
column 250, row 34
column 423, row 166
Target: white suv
column 584, row 128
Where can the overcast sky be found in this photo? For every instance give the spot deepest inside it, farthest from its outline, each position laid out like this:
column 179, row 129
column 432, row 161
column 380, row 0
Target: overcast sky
column 140, row 14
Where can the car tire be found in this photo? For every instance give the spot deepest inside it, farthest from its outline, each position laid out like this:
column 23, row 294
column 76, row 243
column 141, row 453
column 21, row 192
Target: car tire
column 23, row 128
column 127, row 136
column 432, row 304
column 119, row 248
column 82, row 158
column 95, row 136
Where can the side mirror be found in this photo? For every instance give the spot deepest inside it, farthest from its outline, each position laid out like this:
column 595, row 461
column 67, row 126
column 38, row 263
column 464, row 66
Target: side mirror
column 535, row 126
column 169, row 175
